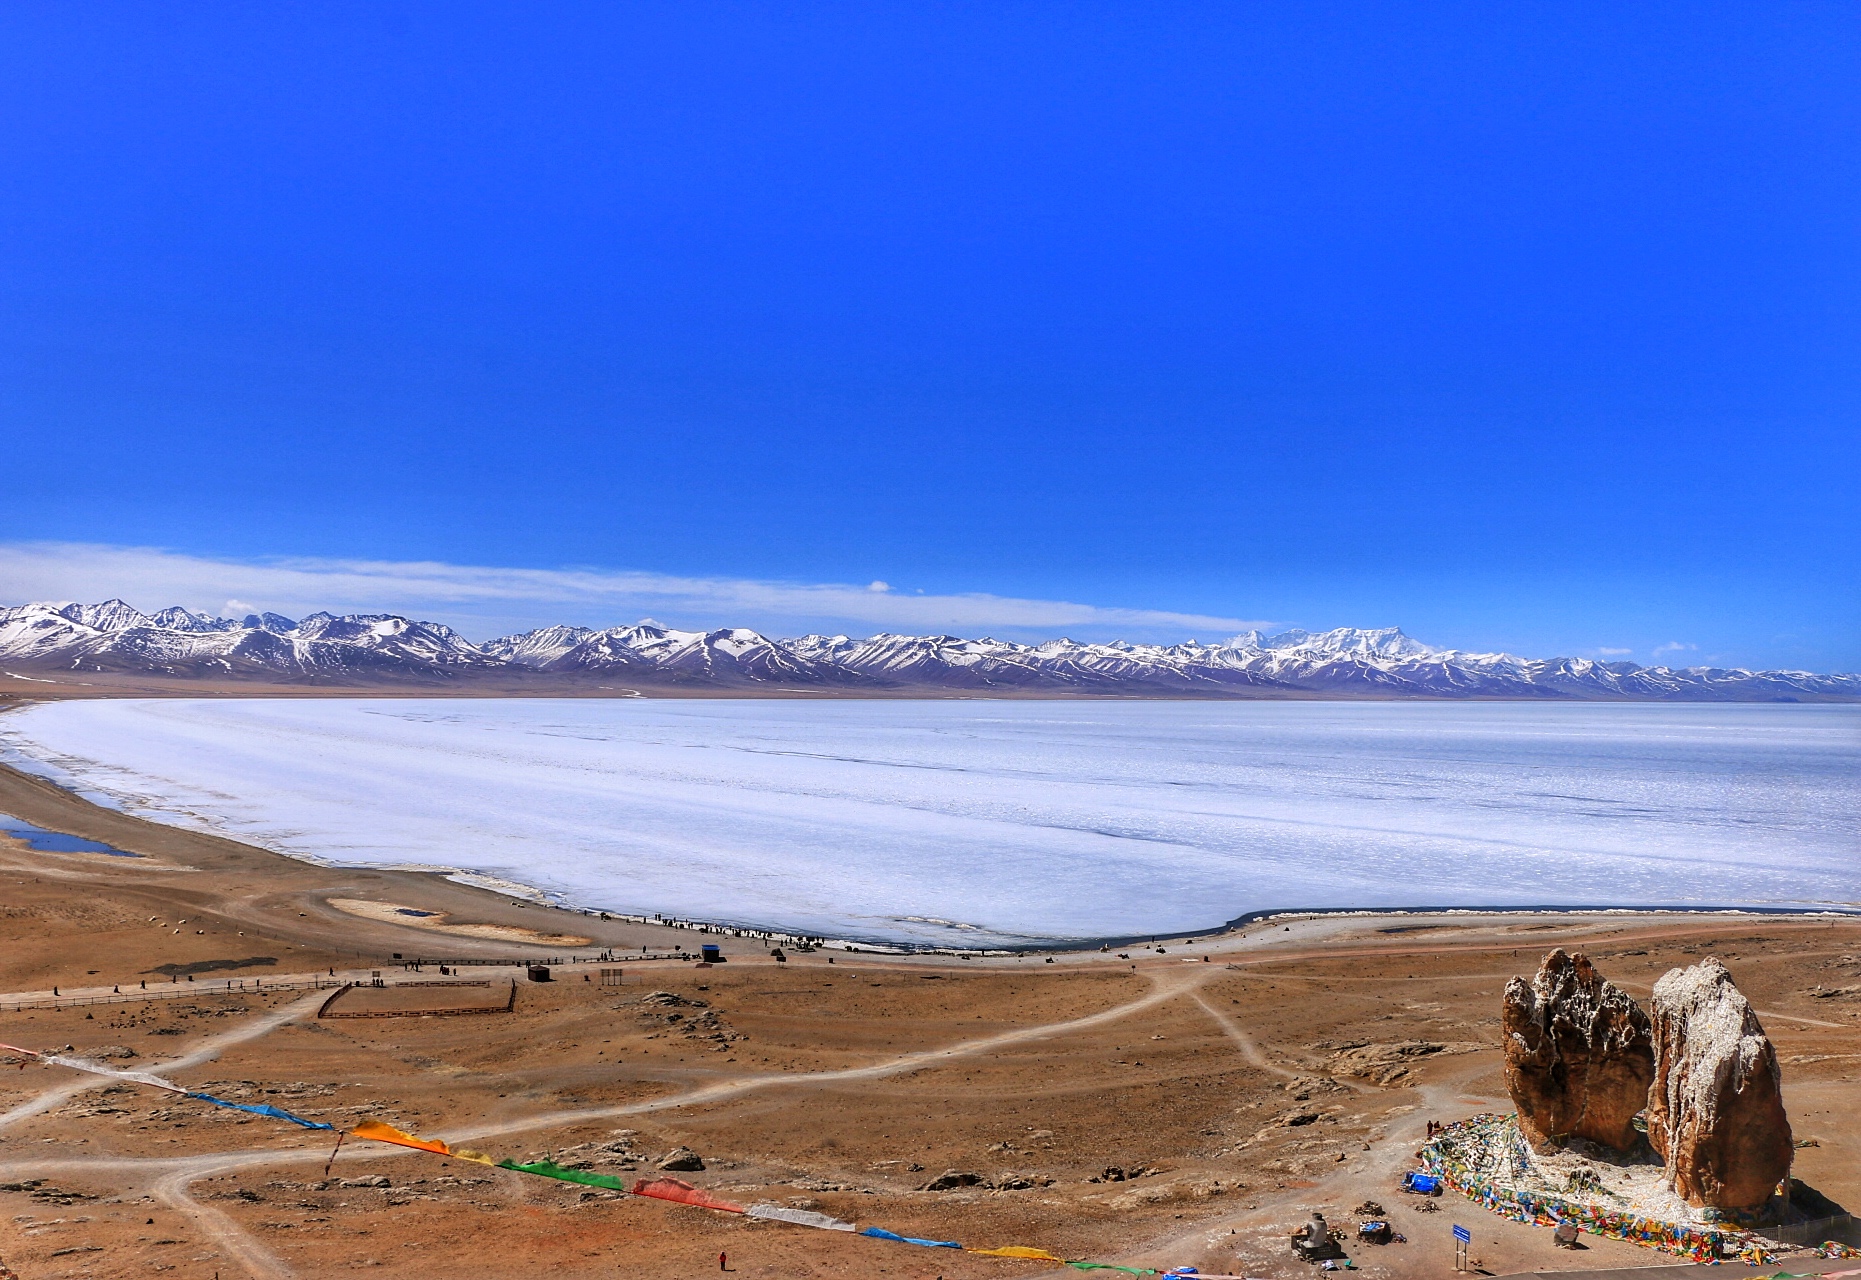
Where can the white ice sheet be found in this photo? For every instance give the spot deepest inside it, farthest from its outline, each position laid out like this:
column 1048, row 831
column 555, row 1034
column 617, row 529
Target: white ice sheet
column 976, row 821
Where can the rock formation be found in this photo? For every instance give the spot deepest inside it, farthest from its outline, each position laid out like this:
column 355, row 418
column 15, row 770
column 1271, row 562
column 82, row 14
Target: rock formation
column 1715, row 1112
column 1579, row 1057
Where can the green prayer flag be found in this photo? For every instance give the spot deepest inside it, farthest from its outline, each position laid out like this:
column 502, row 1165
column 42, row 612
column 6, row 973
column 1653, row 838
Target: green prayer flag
column 545, row 1169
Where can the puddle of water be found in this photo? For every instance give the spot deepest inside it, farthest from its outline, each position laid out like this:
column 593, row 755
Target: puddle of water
column 39, row 840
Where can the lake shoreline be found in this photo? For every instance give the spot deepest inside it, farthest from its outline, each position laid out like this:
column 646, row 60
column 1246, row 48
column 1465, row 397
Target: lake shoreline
column 1001, row 827
column 54, row 807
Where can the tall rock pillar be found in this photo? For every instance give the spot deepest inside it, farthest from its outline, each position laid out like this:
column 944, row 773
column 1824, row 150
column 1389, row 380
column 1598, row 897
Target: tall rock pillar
column 1715, row 1112
column 1579, row 1056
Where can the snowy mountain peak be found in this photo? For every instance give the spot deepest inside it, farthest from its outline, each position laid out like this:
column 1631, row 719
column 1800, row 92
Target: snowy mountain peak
column 1384, row 642
column 358, row 648
column 539, row 647
column 175, row 618
column 111, row 615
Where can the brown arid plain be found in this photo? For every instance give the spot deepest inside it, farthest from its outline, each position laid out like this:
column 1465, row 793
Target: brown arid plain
column 1186, row 1104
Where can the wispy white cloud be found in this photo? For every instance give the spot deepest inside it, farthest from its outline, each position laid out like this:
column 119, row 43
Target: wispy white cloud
column 484, row 600
column 1606, row 652
column 1672, row 646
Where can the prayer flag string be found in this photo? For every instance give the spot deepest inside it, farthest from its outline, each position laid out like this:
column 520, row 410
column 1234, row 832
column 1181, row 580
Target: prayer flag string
column 263, row 1109
column 547, row 1169
column 1439, row 1158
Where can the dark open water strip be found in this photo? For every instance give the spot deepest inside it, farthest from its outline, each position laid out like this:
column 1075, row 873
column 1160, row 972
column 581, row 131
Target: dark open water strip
column 40, row 840
column 1064, row 945
column 1588, row 908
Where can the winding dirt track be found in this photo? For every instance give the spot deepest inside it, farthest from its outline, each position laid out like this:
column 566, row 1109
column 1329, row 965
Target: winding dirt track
column 206, row 1051
column 1250, row 1050
column 168, row 1179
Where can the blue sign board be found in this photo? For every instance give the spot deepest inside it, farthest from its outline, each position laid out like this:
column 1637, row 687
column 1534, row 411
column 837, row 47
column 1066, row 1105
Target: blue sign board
column 1463, row 1235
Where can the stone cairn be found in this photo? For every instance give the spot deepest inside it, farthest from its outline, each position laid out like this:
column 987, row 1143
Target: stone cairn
column 1715, row 1112
column 1582, row 1059
column 1579, row 1055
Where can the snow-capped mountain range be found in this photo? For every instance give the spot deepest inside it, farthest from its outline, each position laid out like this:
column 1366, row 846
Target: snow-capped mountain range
column 38, row 641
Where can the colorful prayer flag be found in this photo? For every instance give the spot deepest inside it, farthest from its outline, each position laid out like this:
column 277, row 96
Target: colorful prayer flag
column 263, row 1109
column 376, row 1131
column 880, row 1233
column 547, row 1169
column 683, row 1193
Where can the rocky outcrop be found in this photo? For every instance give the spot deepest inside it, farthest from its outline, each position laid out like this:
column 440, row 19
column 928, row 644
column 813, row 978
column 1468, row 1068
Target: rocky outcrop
column 951, row 1179
column 1579, row 1056
column 1386, row 1064
column 1715, row 1112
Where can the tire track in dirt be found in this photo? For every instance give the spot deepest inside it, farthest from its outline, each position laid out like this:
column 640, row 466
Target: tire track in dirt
column 171, row 1176
column 205, row 1051
column 1249, row 1048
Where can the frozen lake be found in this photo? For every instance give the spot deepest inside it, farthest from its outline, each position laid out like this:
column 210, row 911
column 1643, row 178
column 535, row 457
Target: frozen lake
column 973, row 822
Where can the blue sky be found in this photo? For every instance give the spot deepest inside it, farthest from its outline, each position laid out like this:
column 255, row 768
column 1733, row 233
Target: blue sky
column 1521, row 327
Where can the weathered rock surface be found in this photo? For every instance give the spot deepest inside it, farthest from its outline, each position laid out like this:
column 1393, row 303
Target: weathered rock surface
column 1385, row 1064
column 951, row 1179
column 1715, row 1112
column 1579, row 1055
